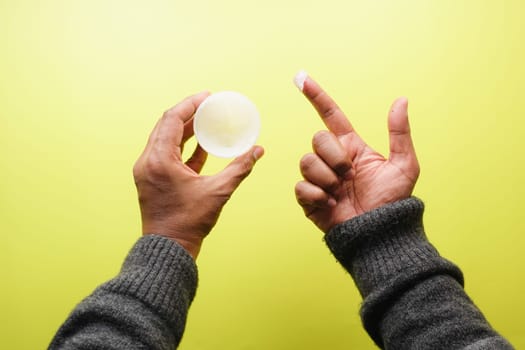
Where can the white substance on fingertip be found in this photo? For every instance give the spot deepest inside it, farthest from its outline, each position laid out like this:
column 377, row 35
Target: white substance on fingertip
column 299, row 79
column 226, row 124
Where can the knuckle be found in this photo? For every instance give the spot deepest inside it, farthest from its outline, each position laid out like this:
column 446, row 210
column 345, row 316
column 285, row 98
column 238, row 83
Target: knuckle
column 299, row 189
column 166, row 113
column 137, row 170
column 308, row 195
column 329, row 111
column 412, row 167
column 302, row 194
column 342, row 165
column 307, row 161
column 320, row 138
column 332, row 184
column 221, row 191
column 318, row 201
column 247, row 165
column 155, row 166
column 318, row 96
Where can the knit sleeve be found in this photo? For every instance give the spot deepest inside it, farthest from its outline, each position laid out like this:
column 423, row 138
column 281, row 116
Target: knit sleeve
column 143, row 307
column 412, row 297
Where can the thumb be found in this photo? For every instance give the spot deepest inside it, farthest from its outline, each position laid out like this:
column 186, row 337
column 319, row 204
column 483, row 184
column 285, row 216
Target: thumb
column 402, row 152
column 401, row 145
column 235, row 172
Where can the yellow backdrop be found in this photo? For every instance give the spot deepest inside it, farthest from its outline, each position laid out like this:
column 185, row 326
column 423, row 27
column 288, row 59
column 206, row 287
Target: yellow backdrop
column 83, row 82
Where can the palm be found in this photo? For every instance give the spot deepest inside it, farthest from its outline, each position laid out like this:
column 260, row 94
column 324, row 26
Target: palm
column 374, row 181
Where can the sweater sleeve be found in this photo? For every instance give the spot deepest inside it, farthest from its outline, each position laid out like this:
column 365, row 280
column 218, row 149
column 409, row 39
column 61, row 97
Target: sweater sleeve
column 143, row 307
column 412, row 297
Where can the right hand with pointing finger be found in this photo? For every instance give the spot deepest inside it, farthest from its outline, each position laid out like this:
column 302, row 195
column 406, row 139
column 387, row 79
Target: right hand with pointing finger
column 344, row 177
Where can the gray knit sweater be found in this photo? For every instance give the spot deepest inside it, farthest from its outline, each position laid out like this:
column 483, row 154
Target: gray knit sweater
column 413, row 298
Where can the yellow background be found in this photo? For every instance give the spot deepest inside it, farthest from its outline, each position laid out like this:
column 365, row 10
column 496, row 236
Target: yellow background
column 83, row 82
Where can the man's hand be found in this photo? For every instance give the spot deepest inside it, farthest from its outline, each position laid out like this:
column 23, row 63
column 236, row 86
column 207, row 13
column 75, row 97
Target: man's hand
column 175, row 201
column 344, row 177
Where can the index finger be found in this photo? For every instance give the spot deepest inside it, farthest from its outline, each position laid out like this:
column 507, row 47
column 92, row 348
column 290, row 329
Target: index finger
column 172, row 125
column 328, row 110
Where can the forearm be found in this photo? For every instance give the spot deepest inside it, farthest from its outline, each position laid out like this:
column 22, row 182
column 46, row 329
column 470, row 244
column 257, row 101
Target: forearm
column 144, row 307
column 436, row 314
column 413, row 298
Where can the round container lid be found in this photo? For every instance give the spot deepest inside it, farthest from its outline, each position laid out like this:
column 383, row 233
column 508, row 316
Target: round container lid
column 226, row 124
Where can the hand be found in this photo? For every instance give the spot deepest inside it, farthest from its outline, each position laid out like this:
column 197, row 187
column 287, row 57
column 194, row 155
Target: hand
column 344, row 177
column 175, row 201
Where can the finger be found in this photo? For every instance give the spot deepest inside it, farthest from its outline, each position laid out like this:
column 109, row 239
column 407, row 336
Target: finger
column 330, row 113
column 197, row 159
column 401, row 146
column 309, row 195
column 152, row 137
column 315, row 170
column 331, row 151
column 171, row 129
column 231, row 176
column 188, row 132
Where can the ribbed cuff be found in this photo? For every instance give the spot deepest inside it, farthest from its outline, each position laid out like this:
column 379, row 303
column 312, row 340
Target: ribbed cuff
column 160, row 273
column 386, row 246
column 387, row 253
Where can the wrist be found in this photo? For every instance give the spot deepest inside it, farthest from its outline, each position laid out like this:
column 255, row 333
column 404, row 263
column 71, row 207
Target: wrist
column 190, row 242
column 192, row 247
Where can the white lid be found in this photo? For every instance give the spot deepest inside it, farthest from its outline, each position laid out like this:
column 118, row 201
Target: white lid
column 226, row 124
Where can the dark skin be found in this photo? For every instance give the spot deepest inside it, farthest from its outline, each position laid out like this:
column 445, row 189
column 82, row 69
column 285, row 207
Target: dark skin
column 175, row 200
column 344, row 177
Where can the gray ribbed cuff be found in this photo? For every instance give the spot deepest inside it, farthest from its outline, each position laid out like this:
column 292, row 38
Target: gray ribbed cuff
column 160, row 273
column 387, row 246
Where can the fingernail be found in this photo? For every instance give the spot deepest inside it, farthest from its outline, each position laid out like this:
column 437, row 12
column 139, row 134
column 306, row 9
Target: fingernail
column 258, row 153
column 299, row 79
column 332, row 202
column 402, row 101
